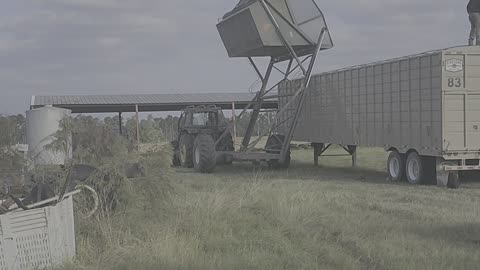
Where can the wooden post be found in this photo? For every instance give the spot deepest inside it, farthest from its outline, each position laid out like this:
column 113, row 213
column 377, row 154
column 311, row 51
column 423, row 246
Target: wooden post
column 120, row 122
column 234, row 119
column 138, row 127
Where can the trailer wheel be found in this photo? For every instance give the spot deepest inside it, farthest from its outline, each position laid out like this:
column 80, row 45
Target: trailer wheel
column 274, row 146
column 204, row 154
column 276, row 164
column 414, row 169
column 224, row 159
column 396, row 166
column 186, row 150
column 226, row 145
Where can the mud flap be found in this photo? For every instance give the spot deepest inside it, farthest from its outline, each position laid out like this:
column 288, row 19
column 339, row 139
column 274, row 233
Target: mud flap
column 444, row 176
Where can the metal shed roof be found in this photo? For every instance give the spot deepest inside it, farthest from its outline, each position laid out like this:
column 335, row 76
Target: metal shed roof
column 146, row 103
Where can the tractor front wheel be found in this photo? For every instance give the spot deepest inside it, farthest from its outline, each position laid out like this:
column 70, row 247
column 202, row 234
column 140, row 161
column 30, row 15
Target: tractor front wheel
column 186, row 150
column 176, row 154
column 226, row 145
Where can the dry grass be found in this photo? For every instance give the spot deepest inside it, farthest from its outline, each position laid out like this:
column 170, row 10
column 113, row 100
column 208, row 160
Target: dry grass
column 332, row 217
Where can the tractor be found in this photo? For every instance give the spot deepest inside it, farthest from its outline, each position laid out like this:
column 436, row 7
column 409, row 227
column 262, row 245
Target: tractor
column 198, row 145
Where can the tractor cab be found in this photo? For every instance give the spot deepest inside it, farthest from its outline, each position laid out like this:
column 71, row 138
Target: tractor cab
column 202, row 118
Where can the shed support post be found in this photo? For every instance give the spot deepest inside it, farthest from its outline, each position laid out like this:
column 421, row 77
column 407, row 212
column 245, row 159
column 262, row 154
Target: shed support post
column 234, row 119
column 138, row 127
column 120, row 122
column 6, row 188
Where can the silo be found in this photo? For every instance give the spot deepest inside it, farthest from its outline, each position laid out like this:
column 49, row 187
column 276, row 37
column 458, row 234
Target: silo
column 42, row 124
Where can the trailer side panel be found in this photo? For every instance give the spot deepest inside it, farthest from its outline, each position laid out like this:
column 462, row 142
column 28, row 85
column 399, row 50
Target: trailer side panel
column 395, row 103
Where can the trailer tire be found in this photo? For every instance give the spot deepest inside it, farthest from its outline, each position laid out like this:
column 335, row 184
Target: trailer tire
column 186, row 150
column 224, row 159
column 226, row 145
column 204, row 154
column 274, row 146
column 396, row 166
column 276, row 164
column 415, row 169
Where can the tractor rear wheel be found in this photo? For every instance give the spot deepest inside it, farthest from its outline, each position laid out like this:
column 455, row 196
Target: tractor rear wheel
column 204, row 154
column 186, row 150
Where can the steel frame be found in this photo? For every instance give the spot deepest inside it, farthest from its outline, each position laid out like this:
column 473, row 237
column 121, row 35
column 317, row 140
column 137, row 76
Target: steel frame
column 247, row 147
column 320, row 148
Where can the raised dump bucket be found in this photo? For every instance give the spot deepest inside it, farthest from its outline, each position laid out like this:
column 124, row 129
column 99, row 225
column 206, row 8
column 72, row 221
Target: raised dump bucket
column 249, row 30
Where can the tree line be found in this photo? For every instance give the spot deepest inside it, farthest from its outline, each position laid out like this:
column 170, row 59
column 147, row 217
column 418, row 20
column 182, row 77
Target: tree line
column 104, row 134
column 152, row 129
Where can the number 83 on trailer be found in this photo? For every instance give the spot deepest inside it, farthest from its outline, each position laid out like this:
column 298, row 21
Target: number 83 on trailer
column 455, row 82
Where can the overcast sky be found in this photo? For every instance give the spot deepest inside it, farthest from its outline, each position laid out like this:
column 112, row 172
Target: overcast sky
column 156, row 46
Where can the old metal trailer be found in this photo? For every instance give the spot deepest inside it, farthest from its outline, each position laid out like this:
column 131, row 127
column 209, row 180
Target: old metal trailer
column 424, row 109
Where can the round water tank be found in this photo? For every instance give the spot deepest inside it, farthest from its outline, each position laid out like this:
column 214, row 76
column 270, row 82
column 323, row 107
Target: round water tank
column 42, row 124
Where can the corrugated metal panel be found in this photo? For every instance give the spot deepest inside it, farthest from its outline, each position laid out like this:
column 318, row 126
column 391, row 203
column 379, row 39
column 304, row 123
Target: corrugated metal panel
column 140, row 99
column 428, row 102
column 159, row 102
column 382, row 104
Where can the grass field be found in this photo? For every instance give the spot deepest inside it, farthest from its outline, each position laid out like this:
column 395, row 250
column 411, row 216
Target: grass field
column 327, row 217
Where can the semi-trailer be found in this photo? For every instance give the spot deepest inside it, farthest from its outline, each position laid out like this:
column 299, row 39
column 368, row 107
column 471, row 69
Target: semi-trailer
column 424, row 109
